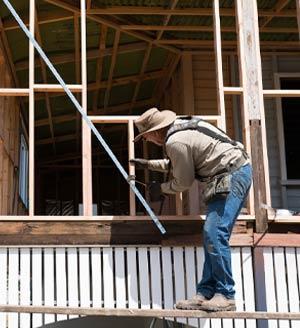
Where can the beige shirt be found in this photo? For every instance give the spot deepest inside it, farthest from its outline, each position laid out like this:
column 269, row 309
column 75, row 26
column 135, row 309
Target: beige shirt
column 191, row 152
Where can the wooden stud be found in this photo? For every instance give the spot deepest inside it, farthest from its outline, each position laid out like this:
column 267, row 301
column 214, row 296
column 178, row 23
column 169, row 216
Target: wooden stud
column 188, row 108
column 44, row 76
column 132, row 205
column 218, row 61
column 142, row 71
column 87, row 194
column 101, row 48
column 251, row 78
column 78, row 75
column 112, row 68
column 281, row 136
column 258, row 176
column 31, row 109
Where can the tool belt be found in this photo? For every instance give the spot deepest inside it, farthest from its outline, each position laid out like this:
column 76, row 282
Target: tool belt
column 220, row 184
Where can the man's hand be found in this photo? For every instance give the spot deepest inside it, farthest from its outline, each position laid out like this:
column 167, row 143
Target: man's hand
column 155, row 192
column 139, row 163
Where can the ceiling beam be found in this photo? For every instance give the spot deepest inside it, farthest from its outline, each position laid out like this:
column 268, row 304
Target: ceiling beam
column 111, row 69
column 91, row 54
column 59, row 15
column 115, row 82
column 132, row 10
column 109, row 23
column 45, row 80
column 277, row 9
column 117, row 109
column 203, row 28
column 98, row 77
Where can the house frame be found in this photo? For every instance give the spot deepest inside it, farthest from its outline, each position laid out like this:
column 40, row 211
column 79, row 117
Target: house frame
column 258, row 234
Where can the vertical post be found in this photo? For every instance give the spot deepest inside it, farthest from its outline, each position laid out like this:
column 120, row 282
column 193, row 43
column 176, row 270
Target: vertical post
column 87, row 196
column 31, row 109
column 187, row 88
column 298, row 15
column 132, row 205
column 253, row 104
column 218, row 61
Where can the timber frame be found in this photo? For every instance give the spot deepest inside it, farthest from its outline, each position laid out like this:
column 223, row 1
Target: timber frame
column 250, row 90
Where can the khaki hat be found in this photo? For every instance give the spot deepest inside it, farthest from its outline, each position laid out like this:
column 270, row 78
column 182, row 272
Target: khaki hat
column 152, row 120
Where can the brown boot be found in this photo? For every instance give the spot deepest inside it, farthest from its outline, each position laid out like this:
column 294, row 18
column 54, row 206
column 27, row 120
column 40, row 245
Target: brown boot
column 193, row 303
column 218, row 303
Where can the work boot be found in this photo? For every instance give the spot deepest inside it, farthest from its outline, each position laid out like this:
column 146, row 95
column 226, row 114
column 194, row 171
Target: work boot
column 218, row 303
column 192, row 303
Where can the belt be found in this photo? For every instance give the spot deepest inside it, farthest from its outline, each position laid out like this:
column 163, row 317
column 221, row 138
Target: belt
column 243, row 160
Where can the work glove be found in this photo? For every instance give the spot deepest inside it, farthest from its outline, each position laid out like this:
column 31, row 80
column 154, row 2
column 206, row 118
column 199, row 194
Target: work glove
column 155, row 192
column 139, row 163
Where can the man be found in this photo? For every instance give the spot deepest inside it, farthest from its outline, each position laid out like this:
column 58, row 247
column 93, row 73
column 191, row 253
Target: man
column 197, row 149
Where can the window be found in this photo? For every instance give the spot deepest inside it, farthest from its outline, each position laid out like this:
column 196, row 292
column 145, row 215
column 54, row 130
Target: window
column 290, row 121
column 23, row 171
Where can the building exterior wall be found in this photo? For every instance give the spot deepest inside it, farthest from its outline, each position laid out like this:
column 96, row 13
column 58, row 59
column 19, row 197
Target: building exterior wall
column 9, row 145
column 270, row 66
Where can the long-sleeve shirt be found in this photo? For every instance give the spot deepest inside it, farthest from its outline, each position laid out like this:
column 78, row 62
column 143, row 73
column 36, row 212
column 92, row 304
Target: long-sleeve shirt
column 192, row 152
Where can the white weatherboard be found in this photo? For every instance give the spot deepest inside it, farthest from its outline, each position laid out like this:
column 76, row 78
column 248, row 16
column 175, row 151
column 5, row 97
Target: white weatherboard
column 138, row 277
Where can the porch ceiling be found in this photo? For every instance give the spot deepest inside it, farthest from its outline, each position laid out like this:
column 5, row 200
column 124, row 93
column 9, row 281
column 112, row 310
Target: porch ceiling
column 129, row 55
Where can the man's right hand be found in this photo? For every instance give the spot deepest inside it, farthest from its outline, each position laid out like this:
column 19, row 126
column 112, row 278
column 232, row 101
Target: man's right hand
column 139, row 163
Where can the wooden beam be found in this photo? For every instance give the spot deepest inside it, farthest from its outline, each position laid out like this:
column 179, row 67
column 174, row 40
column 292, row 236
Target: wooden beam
column 298, row 16
column 109, row 23
column 31, row 109
column 172, row 5
column 253, row 105
column 91, row 54
column 142, row 71
column 134, row 10
column 46, row 141
column 281, row 93
column 131, row 168
column 277, row 239
column 78, row 78
column 87, row 188
column 112, row 68
column 101, row 47
column 218, row 63
column 47, row 17
column 204, row 28
column 58, row 15
column 157, row 313
column 111, row 110
column 45, row 80
column 209, row 43
column 14, row 92
column 161, row 87
column 278, row 7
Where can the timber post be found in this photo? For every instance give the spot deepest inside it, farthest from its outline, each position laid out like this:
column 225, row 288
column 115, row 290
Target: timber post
column 253, row 106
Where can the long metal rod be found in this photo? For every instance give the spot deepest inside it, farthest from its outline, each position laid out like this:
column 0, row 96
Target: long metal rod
column 84, row 116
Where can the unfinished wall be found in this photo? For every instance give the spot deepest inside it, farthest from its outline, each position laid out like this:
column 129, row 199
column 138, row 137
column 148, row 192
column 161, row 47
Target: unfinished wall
column 205, row 88
column 284, row 64
column 9, row 146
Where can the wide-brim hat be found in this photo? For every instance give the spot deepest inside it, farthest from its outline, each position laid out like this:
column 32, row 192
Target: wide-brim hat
column 152, row 120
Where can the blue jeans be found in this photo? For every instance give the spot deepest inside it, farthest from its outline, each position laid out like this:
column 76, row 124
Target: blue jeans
column 221, row 216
